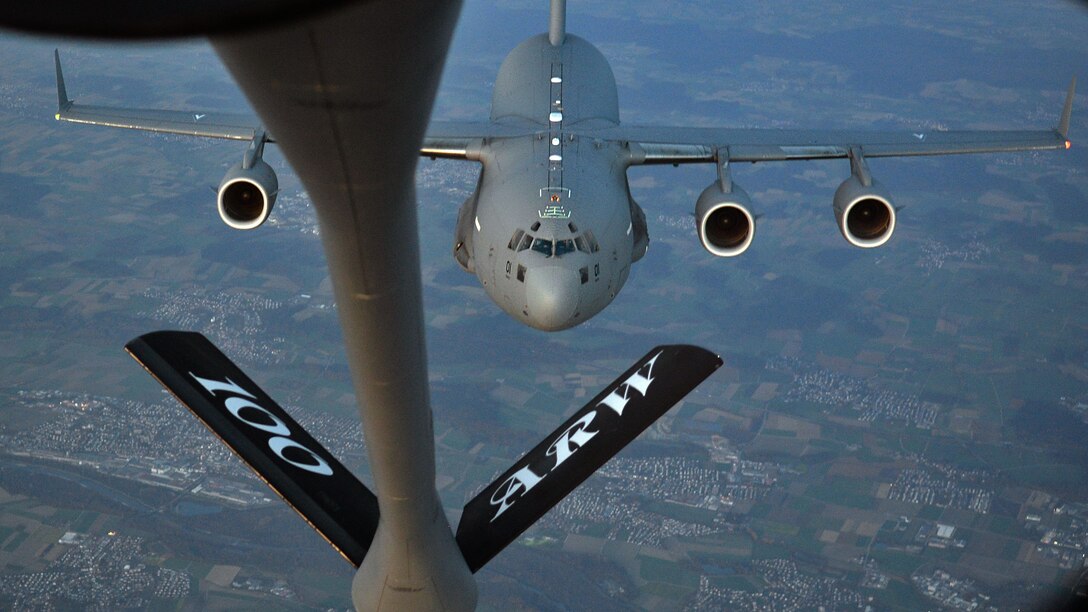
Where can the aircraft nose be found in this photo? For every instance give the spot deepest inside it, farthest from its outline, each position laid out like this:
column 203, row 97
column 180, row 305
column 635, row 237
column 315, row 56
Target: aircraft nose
column 552, row 296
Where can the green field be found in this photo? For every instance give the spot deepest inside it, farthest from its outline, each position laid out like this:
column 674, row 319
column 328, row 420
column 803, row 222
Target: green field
column 782, row 433
column 805, row 505
column 931, row 513
column 774, row 529
column 1008, row 526
column 844, row 492
column 769, row 550
column 1045, row 475
column 897, row 563
column 681, row 512
column 16, row 540
column 658, row 570
column 901, row 595
column 737, row 583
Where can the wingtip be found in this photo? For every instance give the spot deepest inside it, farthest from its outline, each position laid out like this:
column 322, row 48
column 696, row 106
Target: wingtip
column 63, row 103
column 1067, row 111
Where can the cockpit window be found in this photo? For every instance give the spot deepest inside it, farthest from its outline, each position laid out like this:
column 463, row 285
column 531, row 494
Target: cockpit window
column 593, row 246
column 513, row 245
column 526, row 240
column 586, row 243
column 522, row 240
column 543, row 246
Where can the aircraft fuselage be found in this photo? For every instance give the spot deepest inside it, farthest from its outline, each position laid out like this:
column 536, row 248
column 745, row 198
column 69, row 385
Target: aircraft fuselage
column 551, row 230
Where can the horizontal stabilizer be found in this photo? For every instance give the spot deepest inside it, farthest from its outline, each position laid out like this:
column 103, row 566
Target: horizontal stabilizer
column 271, row 443
column 581, row 445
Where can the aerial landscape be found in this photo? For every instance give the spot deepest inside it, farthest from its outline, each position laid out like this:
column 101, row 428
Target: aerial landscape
column 898, row 428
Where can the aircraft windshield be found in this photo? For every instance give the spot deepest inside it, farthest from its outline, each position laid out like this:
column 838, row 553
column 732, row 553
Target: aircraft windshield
column 522, row 240
column 543, row 246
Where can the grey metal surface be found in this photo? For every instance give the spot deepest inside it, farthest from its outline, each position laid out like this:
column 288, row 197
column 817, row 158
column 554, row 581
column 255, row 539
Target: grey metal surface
column 350, row 118
column 698, row 144
column 211, row 125
column 523, row 93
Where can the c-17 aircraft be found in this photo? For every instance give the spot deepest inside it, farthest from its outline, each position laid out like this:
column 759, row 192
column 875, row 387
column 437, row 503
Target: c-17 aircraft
column 551, row 229
column 351, row 121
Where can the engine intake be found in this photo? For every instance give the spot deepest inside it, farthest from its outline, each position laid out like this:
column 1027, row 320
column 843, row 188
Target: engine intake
column 865, row 214
column 726, row 227
column 246, row 195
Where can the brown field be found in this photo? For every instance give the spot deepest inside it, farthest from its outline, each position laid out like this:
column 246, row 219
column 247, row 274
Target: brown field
column 852, row 468
column 870, row 357
column 997, row 571
column 222, row 575
column 583, row 544
column 868, row 529
column 831, row 362
column 805, row 430
column 765, row 392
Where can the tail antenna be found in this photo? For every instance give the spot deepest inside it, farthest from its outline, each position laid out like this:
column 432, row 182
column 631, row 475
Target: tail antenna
column 557, row 24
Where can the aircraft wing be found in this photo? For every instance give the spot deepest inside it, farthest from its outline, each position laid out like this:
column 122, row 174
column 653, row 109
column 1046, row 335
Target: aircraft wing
column 450, row 139
column 677, row 145
column 461, row 139
column 208, row 125
column 194, row 123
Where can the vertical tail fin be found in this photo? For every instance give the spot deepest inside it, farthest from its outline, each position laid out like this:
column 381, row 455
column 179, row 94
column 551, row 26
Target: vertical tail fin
column 557, row 22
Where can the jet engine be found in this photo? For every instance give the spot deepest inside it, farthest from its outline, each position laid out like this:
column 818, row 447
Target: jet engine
column 725, row 225
column 248, row 190
column 864, row 213
column 246, row 195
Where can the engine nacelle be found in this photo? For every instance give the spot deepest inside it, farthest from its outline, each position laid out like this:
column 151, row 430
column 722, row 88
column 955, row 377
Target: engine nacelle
column 725, row 225
column 246, row 195
column 865, row 214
